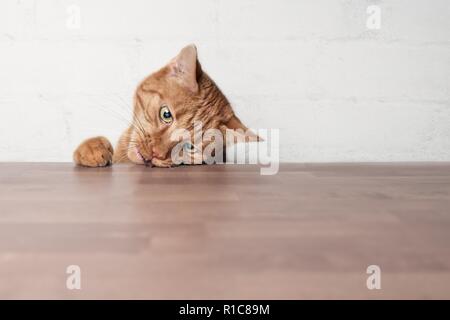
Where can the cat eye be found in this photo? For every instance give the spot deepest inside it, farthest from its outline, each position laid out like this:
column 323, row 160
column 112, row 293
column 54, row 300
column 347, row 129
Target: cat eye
column 165, row 114
column 189, row 147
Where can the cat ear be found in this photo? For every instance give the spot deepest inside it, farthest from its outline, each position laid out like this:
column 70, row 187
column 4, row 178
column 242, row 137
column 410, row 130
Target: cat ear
column 240, row 132
column 185, row 68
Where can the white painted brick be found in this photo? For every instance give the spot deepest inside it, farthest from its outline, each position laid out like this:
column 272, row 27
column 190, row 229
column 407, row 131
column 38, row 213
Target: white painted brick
column 333, row 70
column 218, row 20
column 106, row 19
column 332, row 20
column 345, row 130
column 337, row 91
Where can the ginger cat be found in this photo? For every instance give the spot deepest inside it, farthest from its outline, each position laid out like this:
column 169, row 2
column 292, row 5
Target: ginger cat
column 174, row 97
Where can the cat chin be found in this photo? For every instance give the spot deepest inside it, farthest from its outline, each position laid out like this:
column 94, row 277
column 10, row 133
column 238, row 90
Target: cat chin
column 134, row 157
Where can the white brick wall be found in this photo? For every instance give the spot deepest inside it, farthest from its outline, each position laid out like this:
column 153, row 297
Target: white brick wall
column 337, row 90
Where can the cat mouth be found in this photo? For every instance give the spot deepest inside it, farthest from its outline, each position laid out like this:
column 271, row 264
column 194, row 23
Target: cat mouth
column 145, row 161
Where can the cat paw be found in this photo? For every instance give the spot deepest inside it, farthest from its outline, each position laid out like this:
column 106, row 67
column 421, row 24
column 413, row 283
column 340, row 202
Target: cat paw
column 94, row 152
column 162, row 163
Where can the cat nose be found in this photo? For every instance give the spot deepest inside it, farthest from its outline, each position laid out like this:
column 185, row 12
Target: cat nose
column 158, row 153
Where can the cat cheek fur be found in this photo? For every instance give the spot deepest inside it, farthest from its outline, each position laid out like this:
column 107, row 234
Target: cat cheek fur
column 134, row 156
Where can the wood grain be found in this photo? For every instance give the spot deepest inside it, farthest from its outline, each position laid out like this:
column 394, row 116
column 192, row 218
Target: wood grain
column 225, row 232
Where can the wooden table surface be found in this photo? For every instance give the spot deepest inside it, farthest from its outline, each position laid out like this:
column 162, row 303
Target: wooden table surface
column 225, row 231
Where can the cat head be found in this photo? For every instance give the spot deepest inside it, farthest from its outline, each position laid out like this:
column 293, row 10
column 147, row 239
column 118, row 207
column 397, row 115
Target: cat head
column 176, row 97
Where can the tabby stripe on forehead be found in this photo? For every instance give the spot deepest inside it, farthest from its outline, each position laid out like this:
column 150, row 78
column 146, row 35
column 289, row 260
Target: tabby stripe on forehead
column 141, row 104
column 139, row 101
column 152, row 91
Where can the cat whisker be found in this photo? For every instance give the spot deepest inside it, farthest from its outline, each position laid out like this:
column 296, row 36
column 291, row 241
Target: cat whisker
column 139, row 128
column 124, row 103
column 122, row 118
